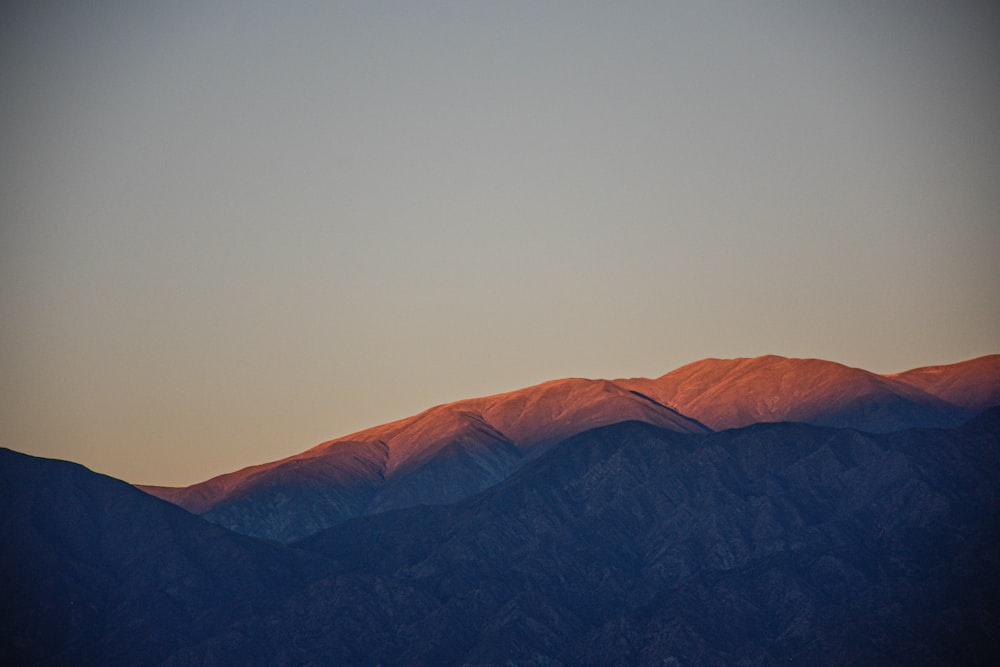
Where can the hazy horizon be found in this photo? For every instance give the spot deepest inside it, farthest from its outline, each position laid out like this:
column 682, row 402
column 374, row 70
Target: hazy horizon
column 231, row 232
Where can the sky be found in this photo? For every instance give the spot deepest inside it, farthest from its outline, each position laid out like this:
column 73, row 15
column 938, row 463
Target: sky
column 232, row 230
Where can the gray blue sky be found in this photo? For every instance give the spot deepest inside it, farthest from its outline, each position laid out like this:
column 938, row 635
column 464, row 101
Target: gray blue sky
column 231, row 230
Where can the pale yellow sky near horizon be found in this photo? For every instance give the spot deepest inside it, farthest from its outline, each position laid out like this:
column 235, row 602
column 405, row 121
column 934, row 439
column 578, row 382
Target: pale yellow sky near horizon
column 229, row 231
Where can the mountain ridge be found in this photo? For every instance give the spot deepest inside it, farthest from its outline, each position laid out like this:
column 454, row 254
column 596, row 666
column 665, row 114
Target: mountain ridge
column 731, row 393
column 624, row 544
column 762, row 545
column 452, row 450
column 970, row 384
column 440, row 455
column 94, row 571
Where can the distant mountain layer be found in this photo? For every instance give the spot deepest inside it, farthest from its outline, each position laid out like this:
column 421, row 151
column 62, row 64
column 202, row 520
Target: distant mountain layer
column 730, row 393
column 452, row 451
column 627, row 544
column 441, row 455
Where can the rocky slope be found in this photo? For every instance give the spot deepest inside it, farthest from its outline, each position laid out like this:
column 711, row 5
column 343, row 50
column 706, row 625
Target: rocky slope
column 441, row 455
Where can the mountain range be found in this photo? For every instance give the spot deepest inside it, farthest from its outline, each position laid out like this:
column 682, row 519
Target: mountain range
column 573, row 523
column 440, row 455
column 452, row 451
column 730, row 393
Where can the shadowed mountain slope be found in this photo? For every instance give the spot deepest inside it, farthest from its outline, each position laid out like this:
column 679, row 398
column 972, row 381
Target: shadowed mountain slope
column 441, row 455
column 95, row 572
column 629, row 544
column 731, row 393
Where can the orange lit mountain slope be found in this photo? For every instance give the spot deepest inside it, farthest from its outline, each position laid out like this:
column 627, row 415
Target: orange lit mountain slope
column 441, row 455
column 731, row 393
column 451, row 451
column 972, row 384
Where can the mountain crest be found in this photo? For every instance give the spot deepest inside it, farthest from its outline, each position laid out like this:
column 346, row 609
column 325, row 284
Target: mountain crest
column 730, row 393
column 440, row 455
column 451, row 451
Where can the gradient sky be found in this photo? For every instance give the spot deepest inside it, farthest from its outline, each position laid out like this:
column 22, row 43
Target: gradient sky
column 231, row 230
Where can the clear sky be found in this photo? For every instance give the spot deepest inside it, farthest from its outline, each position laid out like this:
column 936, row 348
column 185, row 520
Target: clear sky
column 231, row 230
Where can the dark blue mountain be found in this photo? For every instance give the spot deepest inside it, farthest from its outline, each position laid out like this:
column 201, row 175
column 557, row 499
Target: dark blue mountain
column 96, row 572
column 627, row 544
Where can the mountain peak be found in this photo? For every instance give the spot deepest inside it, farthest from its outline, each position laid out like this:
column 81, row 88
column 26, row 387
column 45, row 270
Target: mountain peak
column 453, row 450
column 730, row 393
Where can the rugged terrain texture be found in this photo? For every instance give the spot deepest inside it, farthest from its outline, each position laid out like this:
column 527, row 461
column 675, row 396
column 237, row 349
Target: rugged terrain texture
column 627, row 544
column 632, row 545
